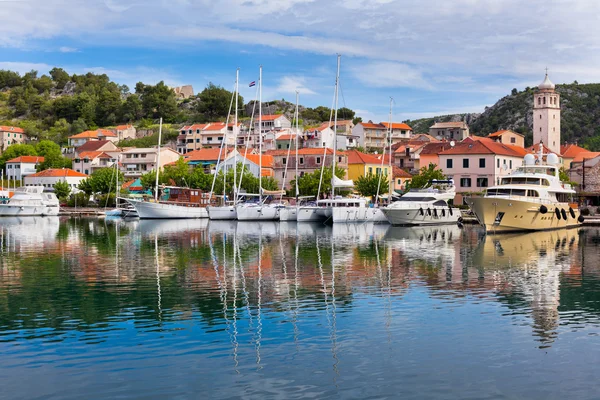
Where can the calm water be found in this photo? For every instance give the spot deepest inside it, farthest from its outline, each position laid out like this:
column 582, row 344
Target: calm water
column 187, row 309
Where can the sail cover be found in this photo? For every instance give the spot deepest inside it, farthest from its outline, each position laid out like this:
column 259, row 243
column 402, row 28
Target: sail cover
column 274, row 192
column 340, row 183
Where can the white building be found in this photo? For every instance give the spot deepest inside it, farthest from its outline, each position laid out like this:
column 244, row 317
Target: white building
column 99, row 134
column 546, row 116
column 19, row 167
column 124, row 132
column 272, row 123
column 137, row 162
column 88, row 162
column 49, row 177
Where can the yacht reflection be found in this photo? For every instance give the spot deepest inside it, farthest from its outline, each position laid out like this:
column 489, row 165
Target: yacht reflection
column 426, row 243
column 162, row 227
column 528, row 268
column 27, row 233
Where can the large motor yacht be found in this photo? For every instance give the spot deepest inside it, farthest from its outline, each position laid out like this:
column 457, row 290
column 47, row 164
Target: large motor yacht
column 531, row 198
column 30, row 201
column 427, row 206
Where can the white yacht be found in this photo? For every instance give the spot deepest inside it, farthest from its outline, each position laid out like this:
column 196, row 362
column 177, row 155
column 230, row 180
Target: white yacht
column 531, row 198
column 427, row 206
column 30, row 201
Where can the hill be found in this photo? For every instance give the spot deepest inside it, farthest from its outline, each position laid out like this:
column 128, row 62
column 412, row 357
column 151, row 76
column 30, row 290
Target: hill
column 580, row 104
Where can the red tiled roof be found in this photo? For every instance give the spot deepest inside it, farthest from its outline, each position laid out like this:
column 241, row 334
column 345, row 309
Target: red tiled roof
column 286, row 137
column 307, row 151
column 485, row 146
column 270, row 117
column 502, row 132
column 215, row 126
column 92, row 145
column 587, row 155
column 267, row 172
column 4, row 128
column 193, row 127
column 58, row 173
column 93, row 154
column 435, row 148
column 369, row 125
column 205, row 154
column 122, row 127
column 356, row 157
column 94, row 134
column 420, row 136
column 397, row 125
column 444, row 125
column 535, row 149
column 27, row 159
column 267, row 160
column 400, row 173
column 571, row 150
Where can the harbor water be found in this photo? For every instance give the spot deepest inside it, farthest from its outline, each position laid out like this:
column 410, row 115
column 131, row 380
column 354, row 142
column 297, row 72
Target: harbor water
column 204, row 309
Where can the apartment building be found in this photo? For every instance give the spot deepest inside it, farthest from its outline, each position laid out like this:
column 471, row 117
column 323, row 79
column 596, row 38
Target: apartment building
column 137, row 162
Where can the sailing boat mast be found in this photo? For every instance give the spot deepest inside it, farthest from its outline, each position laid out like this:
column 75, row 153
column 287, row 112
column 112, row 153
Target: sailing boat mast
column 391, row 173
column 337, row 82
column 297, row 140
column 260, row 136
column 158, row 159
column 235, row 124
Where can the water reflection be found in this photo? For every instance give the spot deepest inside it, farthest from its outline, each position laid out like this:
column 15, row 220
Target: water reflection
column 268, row 297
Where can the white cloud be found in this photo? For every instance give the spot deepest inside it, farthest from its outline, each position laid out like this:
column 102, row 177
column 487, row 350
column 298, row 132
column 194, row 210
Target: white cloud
column 291, row 84
column 389, row 74
column 66, row 49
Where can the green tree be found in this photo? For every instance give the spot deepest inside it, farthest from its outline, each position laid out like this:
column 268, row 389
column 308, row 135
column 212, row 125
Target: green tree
column 425, row 176
column 345, row 113
column 14, row 151
column 21, row 107
column 43, row 83
column 308, row 184
column 214, row 102
column 52, row 154
column 356, row 120
column 62, row 189
column 158, row 101
column 60, row 77
column 9, row 79
column 101, row 181
column 371, row 184
column 132, row 109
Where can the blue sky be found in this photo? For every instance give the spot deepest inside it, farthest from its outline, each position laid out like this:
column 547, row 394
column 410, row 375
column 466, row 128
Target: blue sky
column 433, row 56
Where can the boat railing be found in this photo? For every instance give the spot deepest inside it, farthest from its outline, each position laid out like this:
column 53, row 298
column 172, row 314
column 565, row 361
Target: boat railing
column 529, row 199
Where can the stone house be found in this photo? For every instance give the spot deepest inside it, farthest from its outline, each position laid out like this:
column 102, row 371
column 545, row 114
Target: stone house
column 508, row 137
column 456, row 131
column 11, row 135
column 99, row 134
column 125, row 132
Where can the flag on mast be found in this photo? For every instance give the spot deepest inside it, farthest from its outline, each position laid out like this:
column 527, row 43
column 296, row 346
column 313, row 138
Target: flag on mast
column 253, row 83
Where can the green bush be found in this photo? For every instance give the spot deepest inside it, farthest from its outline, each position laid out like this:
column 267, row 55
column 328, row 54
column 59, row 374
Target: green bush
column 106, row 200
column 78, row 200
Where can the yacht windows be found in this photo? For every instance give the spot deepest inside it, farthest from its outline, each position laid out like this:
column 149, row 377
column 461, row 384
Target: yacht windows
column 525, row 181
column 482, row 182
column 533, row 193
column 441, row 203
column 414, row 198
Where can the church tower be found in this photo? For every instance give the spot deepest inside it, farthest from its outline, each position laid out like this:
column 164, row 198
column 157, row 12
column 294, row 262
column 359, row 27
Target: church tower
column 546, row 116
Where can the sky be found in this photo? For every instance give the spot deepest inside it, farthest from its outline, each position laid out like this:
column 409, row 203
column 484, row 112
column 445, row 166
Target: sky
column 433, row 57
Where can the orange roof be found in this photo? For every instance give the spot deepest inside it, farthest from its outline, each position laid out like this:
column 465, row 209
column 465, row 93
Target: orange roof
column 193, row 127
column 571, row 150
column 370, row 125
column 215, row 126
column 397, row 125
column 587, row 155
column 485, row 146
column 27, row 159
column 267, row 160
column 93, row 154
column 287, row 137
column 94, row 134
column 122, row 127
column 307, row 151
column 58, row 173
column 502, row 132
column 400, row 173
column 356, row 157
column 535, row 149
column 267, row 172
column 205, row 154
column 4, row 128
column 424, row 137
column 270, row 117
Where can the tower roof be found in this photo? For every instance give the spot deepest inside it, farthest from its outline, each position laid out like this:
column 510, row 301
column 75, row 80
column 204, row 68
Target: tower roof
column 546, row 84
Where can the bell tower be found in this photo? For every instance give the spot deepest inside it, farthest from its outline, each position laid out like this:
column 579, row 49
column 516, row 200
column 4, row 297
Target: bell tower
column 546, row 115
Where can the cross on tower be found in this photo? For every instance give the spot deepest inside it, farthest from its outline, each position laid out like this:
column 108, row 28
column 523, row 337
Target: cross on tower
column 546, row 70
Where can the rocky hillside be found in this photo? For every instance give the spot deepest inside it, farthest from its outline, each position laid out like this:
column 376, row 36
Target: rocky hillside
column 580, row 115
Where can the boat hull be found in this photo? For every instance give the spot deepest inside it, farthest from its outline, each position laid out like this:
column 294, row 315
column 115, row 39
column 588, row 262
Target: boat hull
column 8, row 210
column 357, row 214
column 257, row 213
column 309, row 214
column 149, row 210
column 288, row 214
column 519, row 215
column 414, row 216
column 222, row 213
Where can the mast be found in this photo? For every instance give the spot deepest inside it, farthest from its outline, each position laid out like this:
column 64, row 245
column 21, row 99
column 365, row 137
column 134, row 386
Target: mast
column 158, row 159
column 235, row 122
column 297, row 139
column 337, row 82
column 391, row 173
column 260, row 136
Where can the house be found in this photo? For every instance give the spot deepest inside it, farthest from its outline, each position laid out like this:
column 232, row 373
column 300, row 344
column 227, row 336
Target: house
column 212, row 134
column 475, row 164
column 88, row 162
column 124, row 132
column 450, row 130
column 97, row 145
column 49, row 177
column 319, row 137
column 374, row 136
column 343, row 131
column 99, row 134
column 19, row 167
column 251, row 161
column 136, row 162
column 361, row 164
column 286, row 141
column 309, row 160
column 206, row 158
column 399, row 131
column 272, row 123
column 401, row 179
column 508, row 137
column 11, row 135
column 406, row 155
column 585, row 173
column 569, row 152
column 429, row 154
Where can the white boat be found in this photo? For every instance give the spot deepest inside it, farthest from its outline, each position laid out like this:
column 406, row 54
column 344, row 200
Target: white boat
column 424, row 206
column 288, row 213
column 159, row 210
column 529, row 199
column 258, row 212
column 222, row 212
column 310, row 214
column 30, row 201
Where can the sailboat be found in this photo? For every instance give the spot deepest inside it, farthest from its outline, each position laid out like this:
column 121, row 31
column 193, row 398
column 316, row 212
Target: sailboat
column 227, row 211
column 188, row 203
column 290, row 213
column 259, row 211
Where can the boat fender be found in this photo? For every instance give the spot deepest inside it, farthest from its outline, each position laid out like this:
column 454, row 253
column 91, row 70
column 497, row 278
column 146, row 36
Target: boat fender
column 563, row 213
column 580, row 219
column 435, row 212
column 429, row 211
column 460, row 220
column 421, row 211
column 459, row 224
column 557, row 212
column 450, row 211
column 543, row 209
column 443, row 212
column 572, row 212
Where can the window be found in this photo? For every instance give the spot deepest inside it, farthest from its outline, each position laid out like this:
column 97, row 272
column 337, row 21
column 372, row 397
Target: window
column 465, row 182
column 323, row 144
column 287, row 146
column 466, row 163
column 301, row 160
column 370, row 170
column 510, row 164
column 378, row 171
column 284, row 161
column 544, row 100
column 533, row 193
column 87, row 172
column 540, row 116
column 220, row 138
column 539, row 102
column 449, row 163
column 401, row 162
column 513, row 140
column 198, row 140
column 482, row 163
column 318, row 160
column 482, row 182
column 339, row 159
